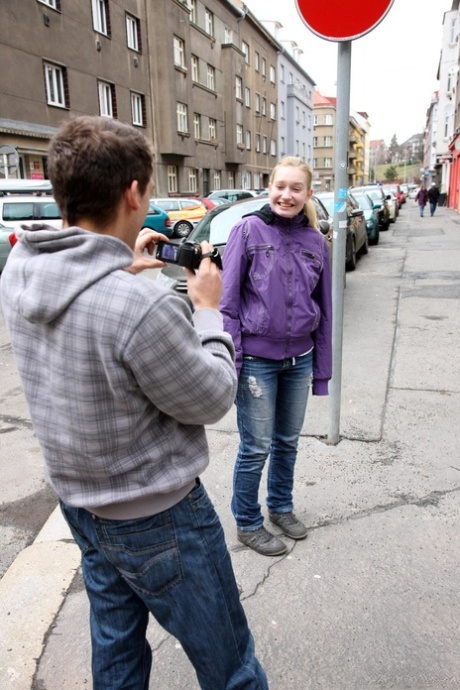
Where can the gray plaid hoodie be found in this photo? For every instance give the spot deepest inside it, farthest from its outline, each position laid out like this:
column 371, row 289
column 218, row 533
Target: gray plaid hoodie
column 119, row 377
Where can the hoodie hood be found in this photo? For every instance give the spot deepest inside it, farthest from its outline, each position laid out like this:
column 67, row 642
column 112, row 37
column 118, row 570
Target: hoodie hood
column 48, row 268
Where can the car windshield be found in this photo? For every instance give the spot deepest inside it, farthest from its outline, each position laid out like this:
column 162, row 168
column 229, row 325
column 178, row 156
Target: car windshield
column 328, row 201
column 375, row 194
column 364, row 201
column 216, row 226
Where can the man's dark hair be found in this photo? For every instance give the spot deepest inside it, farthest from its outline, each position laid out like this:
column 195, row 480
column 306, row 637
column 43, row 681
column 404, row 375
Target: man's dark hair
column 92, row 161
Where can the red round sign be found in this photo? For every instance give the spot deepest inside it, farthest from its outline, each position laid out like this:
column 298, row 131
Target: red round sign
column 342, row 21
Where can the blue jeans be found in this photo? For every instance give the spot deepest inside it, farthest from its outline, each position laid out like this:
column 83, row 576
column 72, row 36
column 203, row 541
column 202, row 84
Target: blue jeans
column 175, row 565
column 271, row 402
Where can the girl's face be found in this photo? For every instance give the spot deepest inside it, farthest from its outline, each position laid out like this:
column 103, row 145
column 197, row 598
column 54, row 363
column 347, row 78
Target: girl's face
column 289, row 192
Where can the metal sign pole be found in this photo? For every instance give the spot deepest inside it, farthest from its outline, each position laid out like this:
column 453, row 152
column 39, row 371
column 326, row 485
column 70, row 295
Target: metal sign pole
column 340, row 233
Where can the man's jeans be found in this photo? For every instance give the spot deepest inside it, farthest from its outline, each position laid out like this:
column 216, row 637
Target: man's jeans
column 175, row 565
column 271, row 402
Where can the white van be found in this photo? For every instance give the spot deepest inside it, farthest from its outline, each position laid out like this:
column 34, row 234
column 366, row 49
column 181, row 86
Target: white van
column 20, row 209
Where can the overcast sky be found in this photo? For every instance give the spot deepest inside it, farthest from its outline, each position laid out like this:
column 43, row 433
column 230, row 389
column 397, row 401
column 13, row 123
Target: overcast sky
column 393, row 68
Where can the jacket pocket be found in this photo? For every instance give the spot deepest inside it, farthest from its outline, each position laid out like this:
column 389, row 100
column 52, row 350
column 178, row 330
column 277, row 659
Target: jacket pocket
column 262, row 260
column 312, row 265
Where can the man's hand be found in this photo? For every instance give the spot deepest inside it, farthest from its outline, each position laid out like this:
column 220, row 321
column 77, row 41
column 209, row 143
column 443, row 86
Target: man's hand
column 205, row 286
column 144, row 251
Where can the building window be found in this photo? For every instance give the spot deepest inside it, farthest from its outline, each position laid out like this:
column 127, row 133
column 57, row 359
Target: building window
column 101, row 19
column 138, row 109
column 239, row 88
column 257, row 180
column 283, row 109
column 172, row 178
column 211, row 78
column 328, row 119
column 264, row 67
column 56, row 85
column 212, row 128
column 315, row 120
column 297, row 147
column 193, row 11
column 315, row 162
column 283, row 146
column 54, row 4
column 273, row 147
column 209, row 22
column 197, row 125
column 328, row 162
column 245, row 49
column 216, row 180
column 239, row 135
column 327, row 141
column 264, row 145
column 315, row 141
column 272, row 74
column 182, row 119
column 272, row 111
column 256, row 61
column 228, row 35
column 264, row 106
column 257, row 104
column 193, row 180
column 247, row 97
column 258, row 143
column 133, row 32
column 248, row 140
column 179, row 52
column 107, row 104
column 246, row 179
column 282, row 74
column 195, row 69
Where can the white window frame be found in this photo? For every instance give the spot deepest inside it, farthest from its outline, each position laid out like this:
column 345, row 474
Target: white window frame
column 100, row 23
column 132, row 32
column 328, row 120
column 247, row 97
column 239, row 135
column 228, row 35
column 49, row 3
column 105, row 98
column 212, row 128
column 264, row 67
column 55, row 85
column 137, row 109
column 245, row 49
column 248, row 140
column 193, row 11
column 256, row 61
column 182, row 117
column 209, row 22
column 195, row 62
column 231, row 179
column 257, row 143
column 172, row 178
column 264, row 106
column 193, row 180
column 328, row 141
column 272, row 74
column 273, row 147
column 239, row 88
column 264, row 144
column 328, row 162
column 257, row 103
column 179, row 52
column 211, row 77
column 272, row 111
column 197, row 125
column 216, row 180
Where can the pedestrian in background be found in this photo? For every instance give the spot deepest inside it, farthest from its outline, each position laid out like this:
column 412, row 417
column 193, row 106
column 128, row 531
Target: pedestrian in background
column 276, row 304
column 433, row 198
column 120, row 379
column 421, row 198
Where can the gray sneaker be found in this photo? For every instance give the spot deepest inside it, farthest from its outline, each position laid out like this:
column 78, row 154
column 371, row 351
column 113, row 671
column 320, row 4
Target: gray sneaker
column 263, row 542
column 289, row 524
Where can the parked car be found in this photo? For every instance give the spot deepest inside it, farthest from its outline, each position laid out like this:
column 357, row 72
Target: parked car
column 231, row 194
column 395, row 189
column 184, row 214
column 393, row 205
column 357, row 240
column 216, row 227
column 371, row 216
column 20, row 209
column 7, row 239
column 157, row 219
column 380, row 201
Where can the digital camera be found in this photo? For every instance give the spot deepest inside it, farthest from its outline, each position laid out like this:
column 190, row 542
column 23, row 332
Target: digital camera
column 186, row 254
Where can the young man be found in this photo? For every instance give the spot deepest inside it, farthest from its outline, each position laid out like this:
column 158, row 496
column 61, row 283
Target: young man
column 120, row 379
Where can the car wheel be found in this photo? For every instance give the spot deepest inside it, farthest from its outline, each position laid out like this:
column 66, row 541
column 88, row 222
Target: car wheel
column 182, row 228
column 351, row 264
column 375, row 237
column 385, row 224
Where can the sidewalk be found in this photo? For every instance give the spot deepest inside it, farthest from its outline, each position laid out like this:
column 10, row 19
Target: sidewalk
column 370, row 599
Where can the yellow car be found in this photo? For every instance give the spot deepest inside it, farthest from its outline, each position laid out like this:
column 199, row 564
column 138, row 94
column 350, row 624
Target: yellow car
column 184, row 214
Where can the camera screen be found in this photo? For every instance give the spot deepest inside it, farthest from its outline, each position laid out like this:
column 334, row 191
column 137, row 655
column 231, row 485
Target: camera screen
column 167, row 252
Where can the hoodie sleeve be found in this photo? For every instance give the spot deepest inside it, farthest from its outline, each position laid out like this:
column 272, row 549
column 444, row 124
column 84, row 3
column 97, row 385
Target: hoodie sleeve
column 322, row 353
column 235, row 265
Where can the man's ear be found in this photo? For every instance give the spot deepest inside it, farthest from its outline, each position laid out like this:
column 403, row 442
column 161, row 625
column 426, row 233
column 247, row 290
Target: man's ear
column 132, row 196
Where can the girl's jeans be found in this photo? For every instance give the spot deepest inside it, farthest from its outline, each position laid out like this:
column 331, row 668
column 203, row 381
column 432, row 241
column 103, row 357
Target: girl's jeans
column 176, row 566
column 271, row 402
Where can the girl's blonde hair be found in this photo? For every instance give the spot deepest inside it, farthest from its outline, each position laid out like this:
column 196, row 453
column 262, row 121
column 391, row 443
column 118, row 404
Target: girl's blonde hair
column 295, row 162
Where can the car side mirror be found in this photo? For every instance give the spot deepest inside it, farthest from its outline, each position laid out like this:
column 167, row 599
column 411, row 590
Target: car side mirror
column 324, row 226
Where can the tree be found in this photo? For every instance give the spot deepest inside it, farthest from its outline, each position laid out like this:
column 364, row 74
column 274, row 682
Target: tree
column 394, row 149
column 391, row 173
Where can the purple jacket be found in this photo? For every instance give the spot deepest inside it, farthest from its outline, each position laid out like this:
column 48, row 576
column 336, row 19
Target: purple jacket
column 276, row 299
